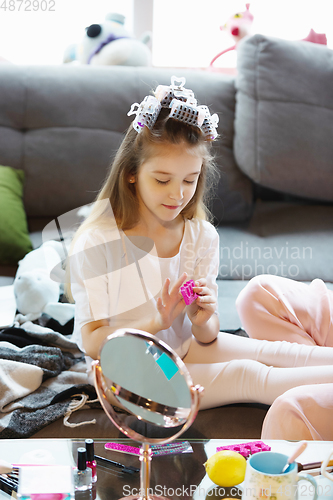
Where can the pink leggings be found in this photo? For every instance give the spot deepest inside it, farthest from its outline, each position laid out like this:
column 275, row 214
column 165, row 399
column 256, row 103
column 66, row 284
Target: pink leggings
column 277, row 309
column 304, row 412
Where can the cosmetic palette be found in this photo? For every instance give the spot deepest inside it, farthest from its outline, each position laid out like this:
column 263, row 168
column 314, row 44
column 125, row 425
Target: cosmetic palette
column 46, row 482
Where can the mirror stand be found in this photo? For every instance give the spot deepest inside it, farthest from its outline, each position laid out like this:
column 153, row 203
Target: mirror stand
column 145, row 459
column 173, row 402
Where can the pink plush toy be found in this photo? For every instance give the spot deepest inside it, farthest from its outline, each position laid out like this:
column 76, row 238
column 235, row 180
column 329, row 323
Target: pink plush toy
column 238, row 26
column 316, row 38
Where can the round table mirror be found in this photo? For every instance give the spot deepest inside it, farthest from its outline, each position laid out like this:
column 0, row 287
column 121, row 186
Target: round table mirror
column 143, row 384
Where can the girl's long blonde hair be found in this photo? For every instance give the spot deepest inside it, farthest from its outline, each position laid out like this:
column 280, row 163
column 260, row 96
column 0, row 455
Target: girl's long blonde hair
column 135, row 149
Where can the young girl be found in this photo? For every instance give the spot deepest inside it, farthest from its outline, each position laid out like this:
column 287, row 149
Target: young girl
column 147, row 235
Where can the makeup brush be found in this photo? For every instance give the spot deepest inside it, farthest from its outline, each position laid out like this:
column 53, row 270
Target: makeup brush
column 8, row 485
column 129, row 469
column 5, row 467
column 312, row 465
column 300, row 448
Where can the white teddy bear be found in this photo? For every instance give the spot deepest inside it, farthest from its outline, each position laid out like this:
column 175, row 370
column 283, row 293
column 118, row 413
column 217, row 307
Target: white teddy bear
column 109, row 43
column 36, row 290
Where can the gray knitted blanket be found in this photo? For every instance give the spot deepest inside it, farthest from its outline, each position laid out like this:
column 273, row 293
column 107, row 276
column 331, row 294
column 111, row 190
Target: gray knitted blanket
column 41, row 382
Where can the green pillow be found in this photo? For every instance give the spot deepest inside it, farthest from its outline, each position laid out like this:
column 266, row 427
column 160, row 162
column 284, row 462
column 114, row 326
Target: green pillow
column 14, row 236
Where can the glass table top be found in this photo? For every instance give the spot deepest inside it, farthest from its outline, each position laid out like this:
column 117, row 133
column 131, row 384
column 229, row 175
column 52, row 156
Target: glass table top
column 175, row 476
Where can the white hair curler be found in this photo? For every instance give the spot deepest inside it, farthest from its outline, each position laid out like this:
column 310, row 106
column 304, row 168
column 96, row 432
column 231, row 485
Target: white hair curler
column 184, row 107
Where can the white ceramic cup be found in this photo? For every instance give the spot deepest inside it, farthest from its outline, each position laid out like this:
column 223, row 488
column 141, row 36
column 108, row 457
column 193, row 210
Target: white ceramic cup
column 264, row 479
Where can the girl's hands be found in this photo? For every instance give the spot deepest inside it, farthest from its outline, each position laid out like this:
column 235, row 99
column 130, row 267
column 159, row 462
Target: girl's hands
column 204, row 306
column 171, row 304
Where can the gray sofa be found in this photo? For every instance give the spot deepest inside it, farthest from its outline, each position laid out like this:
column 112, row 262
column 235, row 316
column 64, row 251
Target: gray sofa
column 273, row 205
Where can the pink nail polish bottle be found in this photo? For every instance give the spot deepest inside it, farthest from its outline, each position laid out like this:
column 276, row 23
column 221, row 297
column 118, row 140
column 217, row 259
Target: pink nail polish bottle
column 91, row 462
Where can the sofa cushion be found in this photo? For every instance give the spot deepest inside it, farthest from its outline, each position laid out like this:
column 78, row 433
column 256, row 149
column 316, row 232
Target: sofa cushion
column 284, row 115
column 292, row 240
column 14, row 236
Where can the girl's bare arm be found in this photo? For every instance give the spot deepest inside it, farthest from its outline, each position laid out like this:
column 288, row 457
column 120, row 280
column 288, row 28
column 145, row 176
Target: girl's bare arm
column 95, row 332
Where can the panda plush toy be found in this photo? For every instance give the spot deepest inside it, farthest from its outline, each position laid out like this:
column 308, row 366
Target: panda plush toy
column 109, row 43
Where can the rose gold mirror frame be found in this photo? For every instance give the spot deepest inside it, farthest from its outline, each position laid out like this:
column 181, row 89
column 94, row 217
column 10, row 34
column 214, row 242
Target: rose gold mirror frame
column 196, row 393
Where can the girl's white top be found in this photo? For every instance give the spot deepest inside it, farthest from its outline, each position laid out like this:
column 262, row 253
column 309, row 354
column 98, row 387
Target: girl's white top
column 113, row 278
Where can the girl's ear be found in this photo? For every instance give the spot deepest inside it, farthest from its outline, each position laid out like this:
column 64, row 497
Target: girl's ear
column 131, row 179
